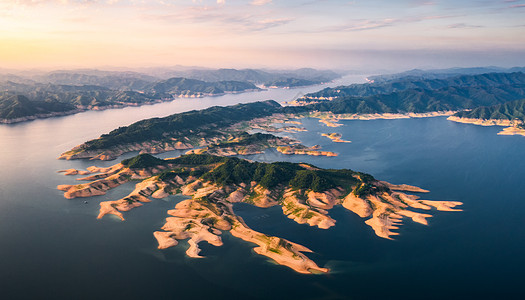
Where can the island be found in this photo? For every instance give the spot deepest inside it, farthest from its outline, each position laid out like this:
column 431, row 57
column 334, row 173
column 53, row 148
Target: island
column 335, row 137
column 305, row 193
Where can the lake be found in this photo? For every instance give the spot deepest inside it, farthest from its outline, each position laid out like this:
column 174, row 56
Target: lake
column 55, row 248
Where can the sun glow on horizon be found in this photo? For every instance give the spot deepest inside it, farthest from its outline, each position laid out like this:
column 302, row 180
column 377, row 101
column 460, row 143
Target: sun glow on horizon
column 81, row 33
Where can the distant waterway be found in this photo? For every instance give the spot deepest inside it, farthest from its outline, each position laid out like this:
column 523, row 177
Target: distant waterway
column 55, row 248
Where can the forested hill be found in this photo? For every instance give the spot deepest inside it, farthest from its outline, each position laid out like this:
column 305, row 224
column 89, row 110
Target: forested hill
column 21, row 102
column 420, row 100
column 196, row 123
column 397, row 85
column 17, row 106
column 507, row 111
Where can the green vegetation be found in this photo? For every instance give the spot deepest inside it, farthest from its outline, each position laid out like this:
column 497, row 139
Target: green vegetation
column 507, row 111
column 243, row 140
column 411, row 83
column 313, row 180
column 142, row 161
column 234, row 171
column 420, row 100
column 367, row 187
column 39, row 100
column 18, row 106
column 197, row 123
column 33, row 99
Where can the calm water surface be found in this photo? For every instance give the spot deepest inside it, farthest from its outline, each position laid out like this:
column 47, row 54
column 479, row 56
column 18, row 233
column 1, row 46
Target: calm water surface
column 54, row 248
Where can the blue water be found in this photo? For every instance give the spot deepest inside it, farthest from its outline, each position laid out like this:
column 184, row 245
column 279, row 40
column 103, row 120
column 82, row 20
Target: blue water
column 54, row 248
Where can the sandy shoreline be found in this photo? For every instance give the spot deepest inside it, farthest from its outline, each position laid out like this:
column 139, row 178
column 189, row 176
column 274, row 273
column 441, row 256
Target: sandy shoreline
column 331, row 117
column 511, row 125
column 512, row 131
column 209, row 212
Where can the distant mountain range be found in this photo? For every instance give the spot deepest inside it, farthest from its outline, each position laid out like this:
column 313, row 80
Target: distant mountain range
column 289, row 83
column 187, row 87
column 24, row 96
column 420, row 100
column 254, row 75
column 14, row 107
column 138, row 81
column 418, row 95
column 442, row 73
column 406, row 83
column 22, row 102
column 27, row 95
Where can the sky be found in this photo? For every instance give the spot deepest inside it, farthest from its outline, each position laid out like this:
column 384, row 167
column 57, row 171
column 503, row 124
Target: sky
column 360, row 35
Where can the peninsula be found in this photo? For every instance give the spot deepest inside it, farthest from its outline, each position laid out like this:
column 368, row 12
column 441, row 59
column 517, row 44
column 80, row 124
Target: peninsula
column 304, row 192
column 510, row 115
column 335, row 137
column 216, row 130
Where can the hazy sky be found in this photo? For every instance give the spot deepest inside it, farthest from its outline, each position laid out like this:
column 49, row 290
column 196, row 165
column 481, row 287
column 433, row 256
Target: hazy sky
column 261, row 33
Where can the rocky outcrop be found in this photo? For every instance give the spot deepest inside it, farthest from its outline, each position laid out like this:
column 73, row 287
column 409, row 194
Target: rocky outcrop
column 335, row 137
column 302, row 150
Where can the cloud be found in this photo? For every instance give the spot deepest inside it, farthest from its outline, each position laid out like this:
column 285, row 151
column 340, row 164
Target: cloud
column 221, row 2
column 221, row 18
column 269, row 23
column 423, row 3
column 261, row 2
column 376, row 24
column 40, row 2
column 463, row 25
column 517, row 6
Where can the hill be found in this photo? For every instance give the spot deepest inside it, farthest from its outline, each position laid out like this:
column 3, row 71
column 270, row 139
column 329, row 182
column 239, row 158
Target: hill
column 19, row 108
column 289, row 83
column 179, row 131
column 514, row 110
column 256, row 76
column 305, row 192
column 180, row 86
column 442, row 73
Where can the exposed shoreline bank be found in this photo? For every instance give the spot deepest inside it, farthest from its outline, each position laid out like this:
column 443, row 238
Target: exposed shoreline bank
column 511, row 126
